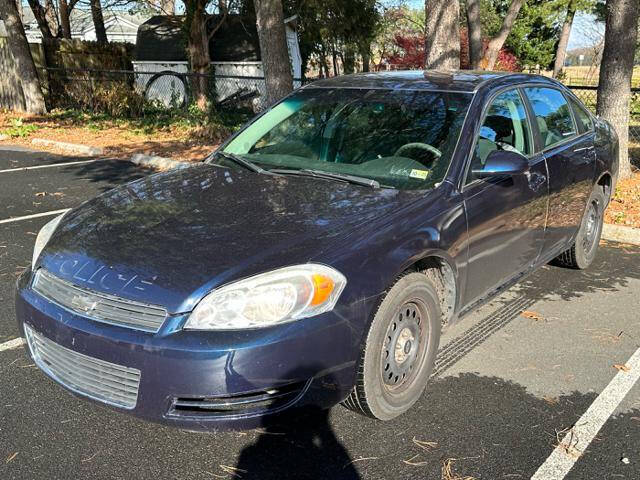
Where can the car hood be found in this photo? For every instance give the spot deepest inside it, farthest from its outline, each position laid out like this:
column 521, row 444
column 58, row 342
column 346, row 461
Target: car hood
column 170, row 238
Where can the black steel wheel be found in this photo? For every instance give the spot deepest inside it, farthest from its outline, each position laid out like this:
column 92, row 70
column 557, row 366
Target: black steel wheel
column 399, row 351
column 584, row 249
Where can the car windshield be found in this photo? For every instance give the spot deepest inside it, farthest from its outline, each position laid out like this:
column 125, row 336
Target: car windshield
column 401, row 139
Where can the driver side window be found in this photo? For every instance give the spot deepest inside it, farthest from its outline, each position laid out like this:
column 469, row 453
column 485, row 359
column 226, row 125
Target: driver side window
column 505, row 127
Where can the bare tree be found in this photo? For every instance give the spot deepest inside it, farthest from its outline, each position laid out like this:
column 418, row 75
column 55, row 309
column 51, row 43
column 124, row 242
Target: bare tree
column 273, row 47
column 25, row 69
column 40, row 14
column 98, row 21
column 474, row 27
column 496, row 43
column 616, row 69
column 561, row 50
column 442, row 42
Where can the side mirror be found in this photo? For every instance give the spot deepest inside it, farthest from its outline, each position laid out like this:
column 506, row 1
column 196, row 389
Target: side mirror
column 503, row 162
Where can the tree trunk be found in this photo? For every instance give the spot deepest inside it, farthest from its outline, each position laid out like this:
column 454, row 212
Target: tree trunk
column 442, row 42
column 474, row 26
column 19, row 8
column 98, row 22
column 349, row 59
column 366, row 59
column 198, row 48
column 168, row 7
column 24, row 66
column 496, row 43
column 334, row 60
column 273, row 47
column 40, row 15
column 616, row 69
column 561, row 50
column 63, row 9
column 51, row 17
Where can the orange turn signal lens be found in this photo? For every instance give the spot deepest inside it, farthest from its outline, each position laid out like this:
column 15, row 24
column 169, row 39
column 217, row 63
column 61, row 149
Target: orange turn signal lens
column 322, row 288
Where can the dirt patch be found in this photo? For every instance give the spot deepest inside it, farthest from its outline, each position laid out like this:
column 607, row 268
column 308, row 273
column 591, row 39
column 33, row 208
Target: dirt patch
column 118, row 139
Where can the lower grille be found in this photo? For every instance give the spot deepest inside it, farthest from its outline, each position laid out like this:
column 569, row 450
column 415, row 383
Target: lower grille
column 97, row 379
column 246, row 404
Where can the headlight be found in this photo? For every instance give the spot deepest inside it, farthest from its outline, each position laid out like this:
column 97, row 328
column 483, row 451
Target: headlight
column 271, row 298
column 43, row 237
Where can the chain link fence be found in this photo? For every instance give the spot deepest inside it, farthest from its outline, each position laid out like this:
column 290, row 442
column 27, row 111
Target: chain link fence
column 135, row 93
column 589, row 96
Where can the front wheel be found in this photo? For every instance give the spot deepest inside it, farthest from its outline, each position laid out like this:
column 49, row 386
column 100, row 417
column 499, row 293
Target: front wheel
column 583, row 251
column 400, row 350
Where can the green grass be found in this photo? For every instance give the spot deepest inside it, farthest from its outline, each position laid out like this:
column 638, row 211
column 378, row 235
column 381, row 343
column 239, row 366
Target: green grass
column 19, row 129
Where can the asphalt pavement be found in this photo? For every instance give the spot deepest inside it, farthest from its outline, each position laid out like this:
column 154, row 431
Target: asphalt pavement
column 513, row 394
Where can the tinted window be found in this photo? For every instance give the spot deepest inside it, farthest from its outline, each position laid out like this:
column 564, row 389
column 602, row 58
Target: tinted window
column 505, row 127
column 552, row 115
column 583, row 118
column 403, row 139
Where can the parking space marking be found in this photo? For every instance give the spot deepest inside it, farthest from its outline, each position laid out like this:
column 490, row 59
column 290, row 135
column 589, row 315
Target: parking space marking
column 36, row 167
column 576, row 441
column 35, row 215
column 11, row 344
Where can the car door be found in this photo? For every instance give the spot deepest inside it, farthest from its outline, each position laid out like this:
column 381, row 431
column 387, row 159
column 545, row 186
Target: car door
column 568, row 147
column 505, row 215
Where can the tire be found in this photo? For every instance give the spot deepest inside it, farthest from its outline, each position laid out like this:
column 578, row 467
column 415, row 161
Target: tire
column 583, row 251
column 399, row 351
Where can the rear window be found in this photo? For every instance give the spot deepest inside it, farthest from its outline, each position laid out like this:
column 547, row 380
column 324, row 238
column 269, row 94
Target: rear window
column 553, row 115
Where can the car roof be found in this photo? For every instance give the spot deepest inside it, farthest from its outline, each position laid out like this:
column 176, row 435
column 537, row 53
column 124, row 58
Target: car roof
column 458, row 81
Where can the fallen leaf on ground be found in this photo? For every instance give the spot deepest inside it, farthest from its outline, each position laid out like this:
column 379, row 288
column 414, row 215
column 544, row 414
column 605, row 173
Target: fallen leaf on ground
column 622, row 368
column 550, row 400
column 41, row 194
column 411, row 462
column 232, row 470
column 427, row 446
column 11, row 457
column 449, row 474
column 532, row 315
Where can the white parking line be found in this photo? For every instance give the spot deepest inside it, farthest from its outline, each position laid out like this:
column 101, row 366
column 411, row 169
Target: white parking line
column 576, row 441
column 36, row 167
column 35, row 215
column 11, row 344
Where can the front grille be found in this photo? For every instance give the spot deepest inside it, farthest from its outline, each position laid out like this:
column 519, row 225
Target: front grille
column 97, row 379
column 99, row 306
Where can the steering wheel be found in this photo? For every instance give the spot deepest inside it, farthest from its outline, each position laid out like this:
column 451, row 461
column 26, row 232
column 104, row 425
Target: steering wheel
column 420, row 146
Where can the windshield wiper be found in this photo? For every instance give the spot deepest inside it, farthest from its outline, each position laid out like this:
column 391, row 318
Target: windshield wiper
column 238, row 160
column 342, row 177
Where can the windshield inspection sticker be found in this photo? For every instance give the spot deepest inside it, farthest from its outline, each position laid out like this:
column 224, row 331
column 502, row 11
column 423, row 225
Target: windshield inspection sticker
column 421, row 174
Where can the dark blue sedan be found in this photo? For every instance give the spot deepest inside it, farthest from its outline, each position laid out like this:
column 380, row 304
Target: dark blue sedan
column 316, row 256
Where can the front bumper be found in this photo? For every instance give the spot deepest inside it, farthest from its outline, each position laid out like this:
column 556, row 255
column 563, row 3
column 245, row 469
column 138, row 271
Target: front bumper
column 212, row 380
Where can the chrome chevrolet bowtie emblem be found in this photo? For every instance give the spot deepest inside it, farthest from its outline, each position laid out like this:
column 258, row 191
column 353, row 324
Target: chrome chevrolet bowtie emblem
column 84, row 304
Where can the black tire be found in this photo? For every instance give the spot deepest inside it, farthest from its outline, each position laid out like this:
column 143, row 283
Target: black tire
column 584, row 249
column 399, row 351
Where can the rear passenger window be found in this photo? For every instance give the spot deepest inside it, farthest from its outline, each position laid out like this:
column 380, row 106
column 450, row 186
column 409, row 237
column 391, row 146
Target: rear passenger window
column 583, row 118
column 505, row 127
column 553, row 116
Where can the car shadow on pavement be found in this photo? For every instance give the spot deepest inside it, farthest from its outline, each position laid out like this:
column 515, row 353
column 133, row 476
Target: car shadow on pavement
column 614, row 265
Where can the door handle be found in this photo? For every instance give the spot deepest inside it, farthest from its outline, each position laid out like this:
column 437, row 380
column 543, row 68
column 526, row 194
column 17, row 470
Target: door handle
column 536, row 180
column 583, row 149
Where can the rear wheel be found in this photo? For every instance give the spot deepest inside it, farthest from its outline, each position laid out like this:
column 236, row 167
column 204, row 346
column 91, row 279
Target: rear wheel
column 583, row 251
column 400, row 350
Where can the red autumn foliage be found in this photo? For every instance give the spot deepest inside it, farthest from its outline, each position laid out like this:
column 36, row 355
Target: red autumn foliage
column 409, row 53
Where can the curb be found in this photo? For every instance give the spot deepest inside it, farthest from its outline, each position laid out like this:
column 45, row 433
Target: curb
column 617, row 233
column 71, row 147
column 159, row 163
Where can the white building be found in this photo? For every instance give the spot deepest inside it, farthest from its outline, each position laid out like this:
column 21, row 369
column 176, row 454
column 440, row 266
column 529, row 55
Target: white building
column 234, row 50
